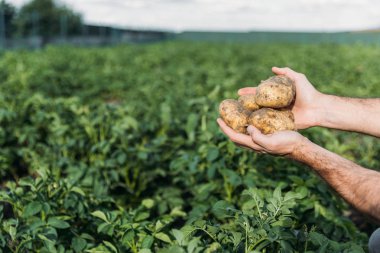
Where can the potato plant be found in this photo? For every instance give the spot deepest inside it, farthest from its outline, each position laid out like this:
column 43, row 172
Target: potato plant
column 117, row 150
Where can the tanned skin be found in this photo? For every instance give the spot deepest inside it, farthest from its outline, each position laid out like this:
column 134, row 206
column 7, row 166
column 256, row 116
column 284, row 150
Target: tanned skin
column 359, row 186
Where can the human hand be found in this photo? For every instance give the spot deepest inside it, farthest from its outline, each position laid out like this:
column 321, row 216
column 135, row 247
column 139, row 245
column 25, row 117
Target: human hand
column 305, row 107
column 283, row 143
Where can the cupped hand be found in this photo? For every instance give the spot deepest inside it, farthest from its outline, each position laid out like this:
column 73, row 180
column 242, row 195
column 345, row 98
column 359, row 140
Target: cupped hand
column 282, row 143
column 305, row 107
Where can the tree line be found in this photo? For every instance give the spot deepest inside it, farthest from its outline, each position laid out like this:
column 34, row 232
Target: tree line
column 44, row 18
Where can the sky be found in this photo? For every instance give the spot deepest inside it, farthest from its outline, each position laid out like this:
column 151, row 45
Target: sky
column 230, row 15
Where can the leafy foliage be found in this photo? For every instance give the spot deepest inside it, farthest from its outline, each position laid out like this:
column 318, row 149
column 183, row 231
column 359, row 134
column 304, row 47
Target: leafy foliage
column 8, row 13
column 117, row 150
column 44, row 17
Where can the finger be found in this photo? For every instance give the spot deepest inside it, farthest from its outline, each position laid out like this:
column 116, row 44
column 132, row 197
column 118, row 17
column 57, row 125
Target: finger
column 243, row 146
column 234, row 136
column 251, row 145
column 258, row 137
column 284, row 71
column 247, row 91
column 262, row 152
column 278, row 71
column 241, row 139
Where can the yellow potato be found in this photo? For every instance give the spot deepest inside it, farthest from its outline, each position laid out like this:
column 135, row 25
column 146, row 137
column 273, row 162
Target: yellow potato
column 276, row 92
column 269, row 120
column 248, row 102
column 235, row 116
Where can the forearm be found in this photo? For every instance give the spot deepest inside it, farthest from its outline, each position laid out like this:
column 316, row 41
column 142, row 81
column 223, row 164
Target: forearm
column 357, row 185
column 350, row 114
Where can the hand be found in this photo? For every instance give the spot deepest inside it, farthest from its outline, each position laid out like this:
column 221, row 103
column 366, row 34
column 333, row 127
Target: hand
column 279, row 143
column 307, row 98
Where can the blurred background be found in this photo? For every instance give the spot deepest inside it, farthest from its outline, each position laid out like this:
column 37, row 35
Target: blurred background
column 32, row 24
column 108, row 138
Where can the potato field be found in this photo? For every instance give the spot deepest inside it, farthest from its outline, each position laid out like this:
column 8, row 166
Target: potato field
column 112, row 150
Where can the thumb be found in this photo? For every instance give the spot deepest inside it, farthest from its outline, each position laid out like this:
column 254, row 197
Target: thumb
column 257, row 136
column 279, row 71
column 285, row 71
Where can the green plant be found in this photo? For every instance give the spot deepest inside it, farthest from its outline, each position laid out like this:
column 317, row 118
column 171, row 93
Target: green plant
column 117, row 150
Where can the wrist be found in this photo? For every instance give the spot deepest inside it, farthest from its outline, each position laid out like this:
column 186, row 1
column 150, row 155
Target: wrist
column 299, row 148
column 319, row 110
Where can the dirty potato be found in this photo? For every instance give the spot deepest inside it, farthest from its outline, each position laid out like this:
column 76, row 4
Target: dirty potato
column 248, row 102
column 235, row 116
column 275, row 92
column 269, row 120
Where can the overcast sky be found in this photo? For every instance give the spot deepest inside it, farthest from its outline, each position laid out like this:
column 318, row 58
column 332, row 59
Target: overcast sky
column 231, row 15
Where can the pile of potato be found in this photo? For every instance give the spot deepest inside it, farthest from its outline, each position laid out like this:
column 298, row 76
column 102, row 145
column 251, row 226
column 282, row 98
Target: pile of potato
column 268, row 109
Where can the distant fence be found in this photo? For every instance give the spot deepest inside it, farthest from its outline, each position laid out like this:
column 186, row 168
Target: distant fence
column 35, row 30
column 291, row 37
column 103, row 36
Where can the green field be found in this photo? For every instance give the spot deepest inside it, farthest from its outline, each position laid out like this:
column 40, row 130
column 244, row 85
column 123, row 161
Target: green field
column 117, row 150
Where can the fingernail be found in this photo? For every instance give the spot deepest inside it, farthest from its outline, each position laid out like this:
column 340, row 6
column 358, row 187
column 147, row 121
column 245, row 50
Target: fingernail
column 250, row 129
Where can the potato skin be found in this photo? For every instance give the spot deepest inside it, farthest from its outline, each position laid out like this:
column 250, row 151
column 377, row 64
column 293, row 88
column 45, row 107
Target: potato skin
column 248, row 102
column 235, row 116
column 268, row 120
column 276, row 92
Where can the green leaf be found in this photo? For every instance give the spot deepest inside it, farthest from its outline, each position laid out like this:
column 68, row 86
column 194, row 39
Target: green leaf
column 121, row 158
column 283, row 222
column 177, row 212
column 172, row 249
column 128, row 238
column 191, row 247
column 100, row 215
column 110, row 245
column 318, row 239
column 32, row 209
column 277, row 193
column 36, row 224
column 159, row 226
column 179, row 236
column 232, row 177
column 57, row 223
column 148, row 203
column 223, row 209
column 286, row 246
column 147, row 242
column 191, row 124
column 106, row 228
column 78, row 244
column 99, row 249
column 142, row 216
column 163, row 237
column 213, row 247
column 78, row 190
column 237, row 238
column 12, row 232
column 145, row 251
column 44, row 238
column 212, row 154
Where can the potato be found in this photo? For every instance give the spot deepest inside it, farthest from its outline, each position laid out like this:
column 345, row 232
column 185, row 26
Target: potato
column 275, row 92
column 268, row 120
column 248, row 102
column 235, row 116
